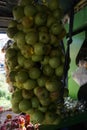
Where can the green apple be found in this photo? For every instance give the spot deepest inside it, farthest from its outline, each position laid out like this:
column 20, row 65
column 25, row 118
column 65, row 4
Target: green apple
column 11, row 32
column 34, row 73
column 43, row 29
column 18, row 12
column 58, row 13
column 56, row 28
column 37, row 58
column 37, row 117
column 10, row 53
column 15, row 108
column 41, row 81
column 22, row 76
column 40, row 19
column 27, row 51
column 50, row 117
column 20, row 26
column 27, row 22
column 54, row 62
column 52, row 85
column 54, row 95
column 45, row 102
column 39, row 49
column 41, row 93
column 45, row 60
column 53, row 4
column 12, row 23
column 29, row 84
column 31, row 37
column 25, row 2
column 48, row 70
column 27, row 94
column 30, row 10
column 42, row 108
column 35, row 102
column 12, row 63
column 16, row 96
column 20, row 59
column 12, row 75
column 59, row 71
column 44, row 37
column 54, row 40
column 50, row 20
column 24, row 105
column 28, row 63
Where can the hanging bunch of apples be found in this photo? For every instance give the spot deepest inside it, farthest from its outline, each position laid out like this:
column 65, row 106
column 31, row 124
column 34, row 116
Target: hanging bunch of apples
column 35, row 60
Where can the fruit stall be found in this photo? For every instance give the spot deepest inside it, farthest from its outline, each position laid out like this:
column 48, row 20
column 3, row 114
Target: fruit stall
column 42, row 60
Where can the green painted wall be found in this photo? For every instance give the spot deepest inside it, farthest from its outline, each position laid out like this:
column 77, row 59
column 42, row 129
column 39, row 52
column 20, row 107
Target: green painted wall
column 80, row 19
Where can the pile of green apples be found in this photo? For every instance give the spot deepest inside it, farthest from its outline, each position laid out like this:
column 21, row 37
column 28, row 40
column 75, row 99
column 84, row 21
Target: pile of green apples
column 35, row 60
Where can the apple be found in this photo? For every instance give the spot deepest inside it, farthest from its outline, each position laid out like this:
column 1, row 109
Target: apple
column 27, row 22
column 25, row 2
column 18, row 12
column 50, row 117
column 56, row 28
column 12, row 23
column 10, row 53
column 22, row 76
column 53, row 4
column 54, row 40
column 27, row 94
column 45, row 102
column 52, row 85
column 39, row 49
column 20, row 26
column 34, row 73
column 40, row 19
column 27, row 51
column 15, row 108
column 50, row 20
column 20, row 59
column 41, row 81
column 37, row 58
column 12, row 75
column 28, row 63
column 48, row 70
column 30, row 10
column 31, row 37
column 12, row 63
column 29, row 84
column 59, row 71
column 43, row 29
column 44, row 37
column 35, row 102
column 54, row 62
column 41, row 93
column 45, row 60
column 42, row 108
column 11, row 32
column 37, row 117
column 24, row 105
column 58, row 14
column 54, row 95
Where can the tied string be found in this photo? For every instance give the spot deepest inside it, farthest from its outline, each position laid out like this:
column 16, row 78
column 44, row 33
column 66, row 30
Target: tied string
column 67, row 54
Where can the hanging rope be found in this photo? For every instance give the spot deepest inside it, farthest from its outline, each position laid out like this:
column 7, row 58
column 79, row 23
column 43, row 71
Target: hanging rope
column 67, row 55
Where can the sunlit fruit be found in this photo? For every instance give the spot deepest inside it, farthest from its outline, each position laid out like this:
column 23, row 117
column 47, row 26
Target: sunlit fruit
column 29, row 84
column 28, row 63
column 31, row 37
column 37, row 58
column 39, row 49
column 20, row 59
column 52, row 85
column 22, row 76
